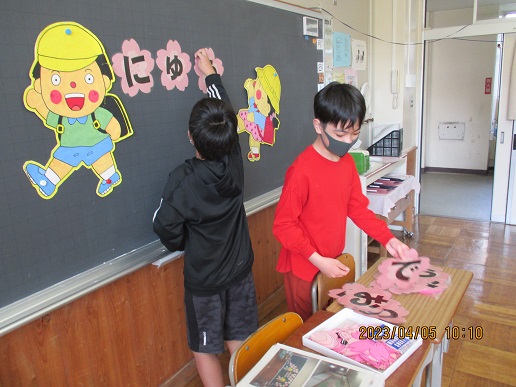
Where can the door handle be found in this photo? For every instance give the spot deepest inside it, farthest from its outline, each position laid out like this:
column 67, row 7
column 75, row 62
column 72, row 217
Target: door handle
column 502, row 135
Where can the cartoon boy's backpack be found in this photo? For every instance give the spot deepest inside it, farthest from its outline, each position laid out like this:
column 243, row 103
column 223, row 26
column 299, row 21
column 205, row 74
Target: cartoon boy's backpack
column 113, row 105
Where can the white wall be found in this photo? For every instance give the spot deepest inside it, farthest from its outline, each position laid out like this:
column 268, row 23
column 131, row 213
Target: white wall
column 456, row 17
column 399, row 48
column 354, row 13
column 455, row 93
column 413, row 79
column 388, row 57
column 376, row 18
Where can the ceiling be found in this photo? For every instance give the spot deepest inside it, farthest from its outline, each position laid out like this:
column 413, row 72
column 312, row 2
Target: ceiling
column 446, row 5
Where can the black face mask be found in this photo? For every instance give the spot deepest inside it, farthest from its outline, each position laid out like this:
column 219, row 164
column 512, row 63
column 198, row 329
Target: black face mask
column 336, row 147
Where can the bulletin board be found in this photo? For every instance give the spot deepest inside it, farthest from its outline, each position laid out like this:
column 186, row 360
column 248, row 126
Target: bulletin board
column 45, row 241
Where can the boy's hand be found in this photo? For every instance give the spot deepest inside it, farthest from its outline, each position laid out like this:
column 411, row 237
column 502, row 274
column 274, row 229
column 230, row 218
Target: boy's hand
column 330, row 267
column 204, row 63
column 400, row 250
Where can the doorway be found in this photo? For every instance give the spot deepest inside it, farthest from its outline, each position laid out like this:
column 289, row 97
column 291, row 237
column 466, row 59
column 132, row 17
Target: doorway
column 459, row 127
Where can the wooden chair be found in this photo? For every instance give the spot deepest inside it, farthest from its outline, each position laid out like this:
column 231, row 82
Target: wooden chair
column 322, row 284
column 256, row 345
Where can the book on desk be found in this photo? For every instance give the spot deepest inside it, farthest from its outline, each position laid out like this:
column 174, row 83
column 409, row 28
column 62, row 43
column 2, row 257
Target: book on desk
column 285, row 366
column 362, row 341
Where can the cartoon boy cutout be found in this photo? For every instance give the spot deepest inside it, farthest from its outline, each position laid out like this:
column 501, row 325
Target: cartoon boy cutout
column 71, row 77
column 260, row 118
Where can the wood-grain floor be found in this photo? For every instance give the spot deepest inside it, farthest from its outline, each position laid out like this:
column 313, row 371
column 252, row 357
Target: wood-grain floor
column 489, row 251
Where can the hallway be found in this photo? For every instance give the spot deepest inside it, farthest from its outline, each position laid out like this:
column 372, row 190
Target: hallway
column 456, row 195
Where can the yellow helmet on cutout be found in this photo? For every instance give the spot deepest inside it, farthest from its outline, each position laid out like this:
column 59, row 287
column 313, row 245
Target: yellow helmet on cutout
column 270, row 81
column 67, row 46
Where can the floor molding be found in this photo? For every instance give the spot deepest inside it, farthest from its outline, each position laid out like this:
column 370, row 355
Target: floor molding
column 456, row 170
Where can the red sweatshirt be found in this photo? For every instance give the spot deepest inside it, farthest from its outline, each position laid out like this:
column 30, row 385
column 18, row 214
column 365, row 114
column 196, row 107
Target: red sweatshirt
column 317, row 198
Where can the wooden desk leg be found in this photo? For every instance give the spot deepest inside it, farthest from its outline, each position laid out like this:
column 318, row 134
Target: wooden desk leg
column 383, row 251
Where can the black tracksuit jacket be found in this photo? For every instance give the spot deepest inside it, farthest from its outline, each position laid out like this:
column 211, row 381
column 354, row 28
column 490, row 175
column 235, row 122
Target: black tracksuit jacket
column 202, row 212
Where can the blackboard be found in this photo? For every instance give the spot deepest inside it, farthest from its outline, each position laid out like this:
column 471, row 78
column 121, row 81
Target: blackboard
column 44, row 242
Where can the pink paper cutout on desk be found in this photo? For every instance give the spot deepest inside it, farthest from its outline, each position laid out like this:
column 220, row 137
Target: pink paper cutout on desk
column 431, row 281
column 374, row 352
column 346, row 341
column 337, row 293
column 358, row 296
column 436, row 281
column 393, row 312
column 373, row 302
column 402, row 274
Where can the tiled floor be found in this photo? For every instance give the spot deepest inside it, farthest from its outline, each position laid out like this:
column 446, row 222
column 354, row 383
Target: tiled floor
column 456, row 195
column 489, row 251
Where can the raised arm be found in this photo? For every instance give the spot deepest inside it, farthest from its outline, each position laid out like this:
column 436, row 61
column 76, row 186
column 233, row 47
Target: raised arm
column 213, row 80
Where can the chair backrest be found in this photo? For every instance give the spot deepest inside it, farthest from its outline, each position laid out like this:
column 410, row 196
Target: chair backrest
column 321, row 284
column 256, row 345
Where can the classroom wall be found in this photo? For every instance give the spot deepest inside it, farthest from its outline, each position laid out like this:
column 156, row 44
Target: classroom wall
column 354, row 13
column 129, row 333
column 399, row 21
column 398, row 29
column 387, row 106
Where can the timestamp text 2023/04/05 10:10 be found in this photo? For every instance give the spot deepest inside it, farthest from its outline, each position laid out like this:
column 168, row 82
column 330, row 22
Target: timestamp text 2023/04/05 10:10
column 426, row 332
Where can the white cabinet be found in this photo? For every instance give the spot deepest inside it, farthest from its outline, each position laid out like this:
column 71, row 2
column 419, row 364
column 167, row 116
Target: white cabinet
column 356, row 239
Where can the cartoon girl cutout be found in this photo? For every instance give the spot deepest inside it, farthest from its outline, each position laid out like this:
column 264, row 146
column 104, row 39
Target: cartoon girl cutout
column 71, row 77
column 260, row 118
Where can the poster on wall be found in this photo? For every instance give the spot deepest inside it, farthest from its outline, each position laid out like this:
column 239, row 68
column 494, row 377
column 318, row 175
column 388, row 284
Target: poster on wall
column 341, row 49
column 359, row 54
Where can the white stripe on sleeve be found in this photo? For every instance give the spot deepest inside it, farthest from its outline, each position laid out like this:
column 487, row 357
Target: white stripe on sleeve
column 156, row 212
column 213, row 92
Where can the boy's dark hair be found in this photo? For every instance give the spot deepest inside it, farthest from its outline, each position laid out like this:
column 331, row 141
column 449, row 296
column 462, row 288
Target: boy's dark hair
column 213, row 127
column 339, row 103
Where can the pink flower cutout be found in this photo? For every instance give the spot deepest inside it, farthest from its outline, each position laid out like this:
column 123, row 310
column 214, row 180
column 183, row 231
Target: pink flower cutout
column 216, row 62
column 403, row 274
column 134, row 67
column 372, row 301
column 358, row 297
column 374, row 353
column 175, row 66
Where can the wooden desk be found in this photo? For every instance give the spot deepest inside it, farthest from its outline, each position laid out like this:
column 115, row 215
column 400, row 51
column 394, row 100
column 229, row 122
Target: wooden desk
column 405, row 375
column 426, row 310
